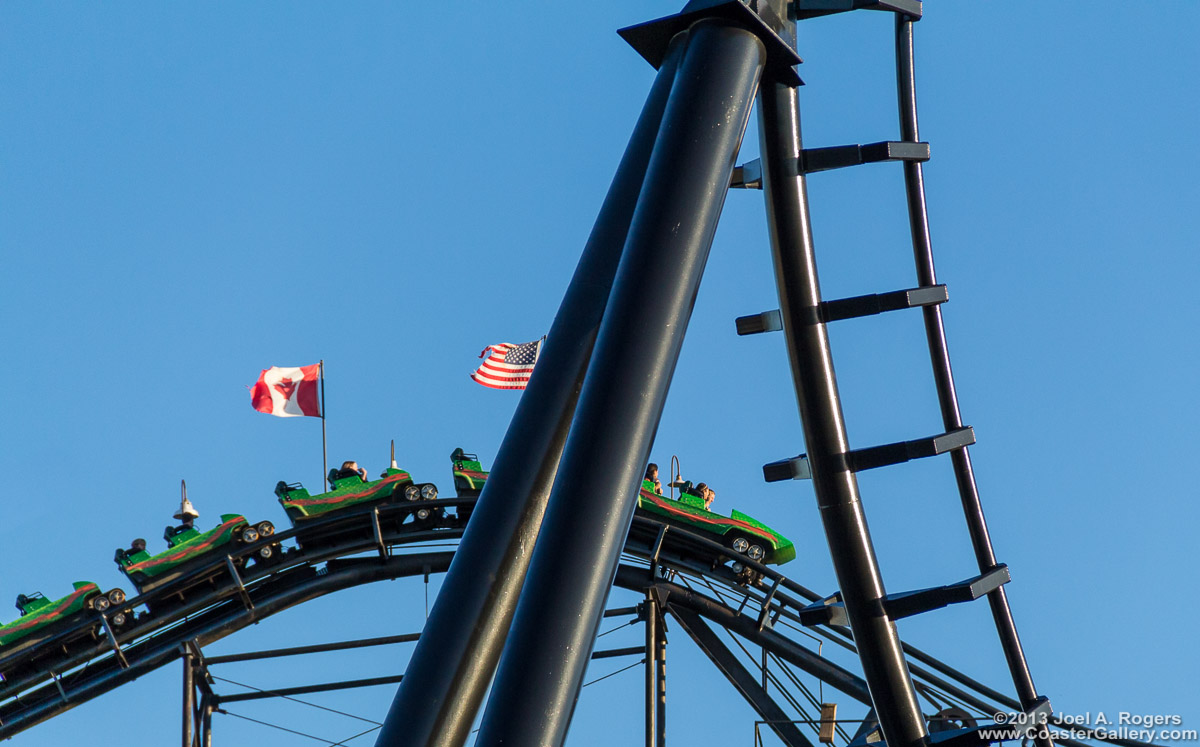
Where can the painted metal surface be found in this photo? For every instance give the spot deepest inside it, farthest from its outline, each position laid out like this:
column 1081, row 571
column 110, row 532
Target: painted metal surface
column 39, row 612
column 347, row 492
column 541, row 670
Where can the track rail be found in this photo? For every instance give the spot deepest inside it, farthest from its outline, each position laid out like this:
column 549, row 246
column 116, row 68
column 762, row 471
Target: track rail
column 689, row 572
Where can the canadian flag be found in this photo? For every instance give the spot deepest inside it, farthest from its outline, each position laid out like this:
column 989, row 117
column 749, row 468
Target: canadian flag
column 288, row 392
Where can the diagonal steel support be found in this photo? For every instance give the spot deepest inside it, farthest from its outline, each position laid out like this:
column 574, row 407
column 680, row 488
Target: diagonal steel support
column 590, row 509
column 453, row 663
column 740, row 677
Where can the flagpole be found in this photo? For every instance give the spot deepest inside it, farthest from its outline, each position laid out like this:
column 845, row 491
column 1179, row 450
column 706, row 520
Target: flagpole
column 324, row 447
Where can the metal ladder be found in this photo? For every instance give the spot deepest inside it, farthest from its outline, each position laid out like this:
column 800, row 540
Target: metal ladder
column 829, row 462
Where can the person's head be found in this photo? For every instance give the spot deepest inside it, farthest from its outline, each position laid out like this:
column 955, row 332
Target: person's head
column 350, row 464
column 652, row 471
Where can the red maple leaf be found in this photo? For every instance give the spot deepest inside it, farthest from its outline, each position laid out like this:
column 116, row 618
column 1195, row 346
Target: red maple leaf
column 286, row 387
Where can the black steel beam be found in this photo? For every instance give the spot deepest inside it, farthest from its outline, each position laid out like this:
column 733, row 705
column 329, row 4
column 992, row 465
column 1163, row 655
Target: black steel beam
column 323, row 687
column 812, row 8
column 452, row 666
column 652, row 618
column 189, row 696
column 848, row 308
column 740, row 677
column 639, row 580
column 224, row 619
column 315, row 649
column 813, row 160
column 836, row 487
column 541, row 670
column 935, row 332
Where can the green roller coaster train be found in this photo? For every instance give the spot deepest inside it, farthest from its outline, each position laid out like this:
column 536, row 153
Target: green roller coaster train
column 348, row 491
column 187, row 548
column 469, row 476
column 39, row 614
column 195, row 559
column 743, row 533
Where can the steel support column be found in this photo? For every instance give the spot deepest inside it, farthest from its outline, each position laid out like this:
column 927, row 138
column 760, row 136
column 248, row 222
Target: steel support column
column 660, row 680
column 651, row 615
column 189, row 696
column 836, row 487
column 935, row 332
column 206, row 711
column 455, row 658
column 590, row 509
column 656, row 672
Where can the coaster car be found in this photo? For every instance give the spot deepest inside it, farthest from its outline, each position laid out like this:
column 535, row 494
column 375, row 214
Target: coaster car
column 188, row 548
column 469, row 476
column 47, row 629
column 350, row 490
column 743, row 534
column 39, row 613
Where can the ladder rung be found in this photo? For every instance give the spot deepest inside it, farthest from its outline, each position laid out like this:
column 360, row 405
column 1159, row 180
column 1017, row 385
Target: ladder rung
column 813, row 8
column 768, row 321
column 909, row 603
column 850, row 308
column 799, row 468
column 898, row 453
column 831, row 610
column 877, row 303
column 796, row 468
column 841, row 156
column 747, row 176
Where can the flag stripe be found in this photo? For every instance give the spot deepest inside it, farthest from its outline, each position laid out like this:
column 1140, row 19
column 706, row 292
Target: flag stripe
column 507, row 366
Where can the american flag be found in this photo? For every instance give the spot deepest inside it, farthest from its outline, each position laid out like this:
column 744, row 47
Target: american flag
column 507, row 366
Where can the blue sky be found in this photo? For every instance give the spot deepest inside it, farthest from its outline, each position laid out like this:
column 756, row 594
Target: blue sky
column 191, row 193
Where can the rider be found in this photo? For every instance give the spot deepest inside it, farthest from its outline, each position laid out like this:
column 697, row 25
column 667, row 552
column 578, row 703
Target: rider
column 652, row 476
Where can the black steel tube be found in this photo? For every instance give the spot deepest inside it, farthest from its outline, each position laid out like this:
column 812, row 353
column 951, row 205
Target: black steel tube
column 836, row 487
column 746, row 626
column 452, row 664
column 914, row 182
column 204, row 628
column 651, row 669
column 189, row 697
column 314, row 649
column 206, row 725
column 660, row 684
column 324, row 687
column 590, row 509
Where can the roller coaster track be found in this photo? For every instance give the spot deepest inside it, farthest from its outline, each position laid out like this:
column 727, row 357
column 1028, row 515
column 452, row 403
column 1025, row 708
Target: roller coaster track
column 689, row 574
